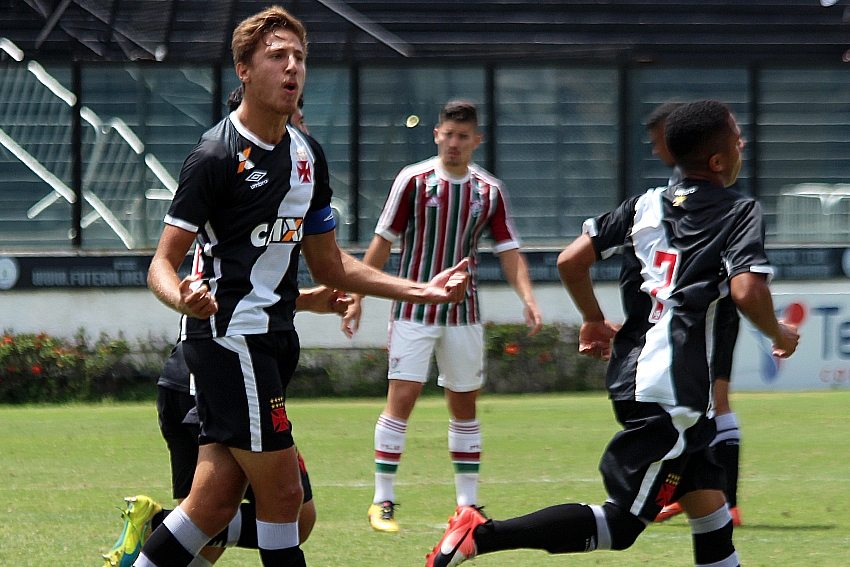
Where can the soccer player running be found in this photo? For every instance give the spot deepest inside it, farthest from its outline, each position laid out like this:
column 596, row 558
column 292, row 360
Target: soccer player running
column 726, row 444
column 254, row 193
column 684, row 247
column 440, row 208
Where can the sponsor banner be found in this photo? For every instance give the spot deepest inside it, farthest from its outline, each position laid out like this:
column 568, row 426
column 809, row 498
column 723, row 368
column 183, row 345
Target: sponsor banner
column 788, row 264
column 74, row 272
column 822, row 360
column 39, row 272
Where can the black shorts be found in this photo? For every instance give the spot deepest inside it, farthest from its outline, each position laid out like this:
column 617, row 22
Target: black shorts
column 181, row 436
column 650, row 464
column 240, row 385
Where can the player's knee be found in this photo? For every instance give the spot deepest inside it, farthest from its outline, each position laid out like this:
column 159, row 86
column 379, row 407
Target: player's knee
column 292, row 495
column 623, row 526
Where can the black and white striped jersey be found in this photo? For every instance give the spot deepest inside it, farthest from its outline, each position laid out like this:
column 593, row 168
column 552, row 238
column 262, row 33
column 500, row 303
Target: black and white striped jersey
column 251, row 203
column 681, row 244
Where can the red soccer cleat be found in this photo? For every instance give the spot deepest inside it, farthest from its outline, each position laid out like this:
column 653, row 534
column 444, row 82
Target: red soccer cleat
column 668, row 512
column 457, row 544
column 736, row 516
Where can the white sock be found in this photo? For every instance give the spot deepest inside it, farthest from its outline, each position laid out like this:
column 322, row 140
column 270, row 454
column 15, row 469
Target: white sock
column 389, row 445
column 234, row 529
column 277, row 536
column 465, row 449
column 185, row 531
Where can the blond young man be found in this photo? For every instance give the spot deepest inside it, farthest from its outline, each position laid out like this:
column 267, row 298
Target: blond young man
column 254, row 194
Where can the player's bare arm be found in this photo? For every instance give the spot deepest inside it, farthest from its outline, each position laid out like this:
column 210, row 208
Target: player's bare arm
column 751, row 295
column 332, row 267
column 574, row 270
column 515, row 269
column 376, row 256
column 184, row 296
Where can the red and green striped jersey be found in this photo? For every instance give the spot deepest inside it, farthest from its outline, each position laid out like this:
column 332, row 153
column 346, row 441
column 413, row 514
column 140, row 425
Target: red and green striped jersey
column 440, row 220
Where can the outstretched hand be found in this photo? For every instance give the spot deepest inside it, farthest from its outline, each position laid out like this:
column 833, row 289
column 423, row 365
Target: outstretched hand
column 196, row 299
column 594, row 338
column 533, row 319
column 351, row 318
column 449, row 286
column 787, row 342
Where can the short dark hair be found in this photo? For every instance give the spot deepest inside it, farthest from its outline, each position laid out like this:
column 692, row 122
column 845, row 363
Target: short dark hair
column 658, row 116
column 459, row 111
column 696, row 131
column 235, row 98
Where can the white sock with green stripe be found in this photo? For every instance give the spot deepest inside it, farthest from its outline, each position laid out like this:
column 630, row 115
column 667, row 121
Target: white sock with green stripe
column 389, row 445
column 465, row 449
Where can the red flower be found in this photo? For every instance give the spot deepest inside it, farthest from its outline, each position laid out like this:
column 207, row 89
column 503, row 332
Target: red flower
column 8, row 340
column 512, row 349
column 544, row 357
column 35, row 369
column 10, row 368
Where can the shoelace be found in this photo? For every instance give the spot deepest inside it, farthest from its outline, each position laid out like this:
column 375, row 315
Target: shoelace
column 387, row 509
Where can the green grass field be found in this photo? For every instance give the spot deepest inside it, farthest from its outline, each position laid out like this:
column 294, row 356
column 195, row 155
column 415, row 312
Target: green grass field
column 64, row 470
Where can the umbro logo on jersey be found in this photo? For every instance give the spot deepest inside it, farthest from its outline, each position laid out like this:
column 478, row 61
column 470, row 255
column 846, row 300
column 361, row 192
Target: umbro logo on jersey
column 257, row 178
column 244, row 162
column 282, row 230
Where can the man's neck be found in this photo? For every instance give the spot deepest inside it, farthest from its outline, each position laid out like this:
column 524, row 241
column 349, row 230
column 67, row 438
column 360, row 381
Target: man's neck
column 269, row 126
column 456, row 171
column 709, row 176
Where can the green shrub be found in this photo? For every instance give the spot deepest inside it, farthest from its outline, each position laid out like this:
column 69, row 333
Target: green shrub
column 43, row 368
column 516, row 363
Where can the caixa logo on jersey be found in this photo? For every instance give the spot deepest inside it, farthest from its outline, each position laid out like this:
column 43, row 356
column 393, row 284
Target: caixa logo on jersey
column 283, row 230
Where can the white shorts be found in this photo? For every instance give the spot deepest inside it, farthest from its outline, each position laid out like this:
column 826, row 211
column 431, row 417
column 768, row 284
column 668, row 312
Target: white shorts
column 459, row 351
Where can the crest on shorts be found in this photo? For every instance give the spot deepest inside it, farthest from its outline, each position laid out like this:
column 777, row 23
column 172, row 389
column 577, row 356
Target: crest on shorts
column 665, row 493
column 279, row 419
